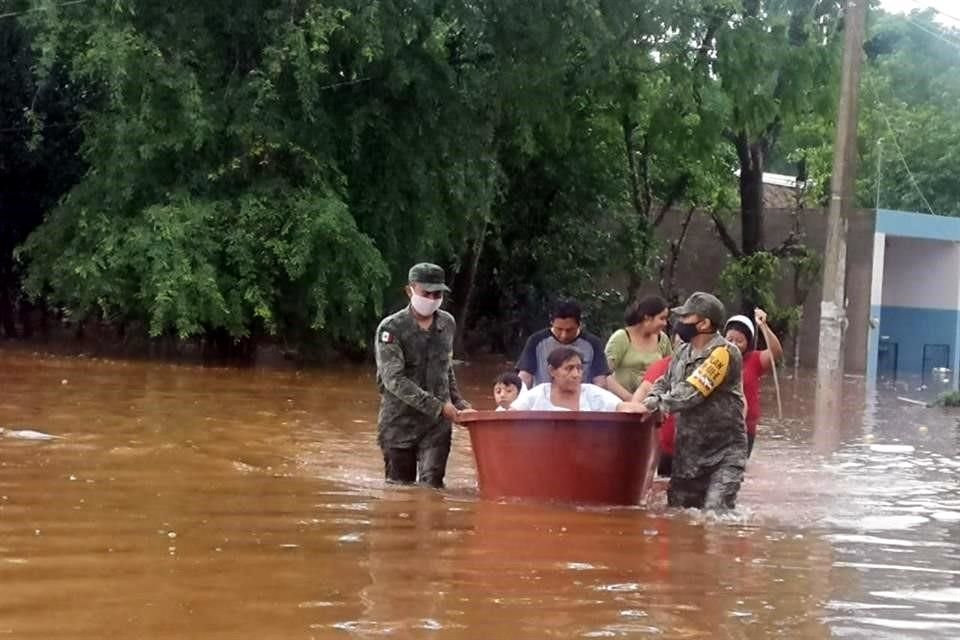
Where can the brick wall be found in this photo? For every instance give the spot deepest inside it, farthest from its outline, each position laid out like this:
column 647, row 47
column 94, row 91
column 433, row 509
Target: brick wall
column 704, row 257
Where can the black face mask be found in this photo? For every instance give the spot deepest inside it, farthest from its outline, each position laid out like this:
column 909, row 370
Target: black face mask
column 685, row 332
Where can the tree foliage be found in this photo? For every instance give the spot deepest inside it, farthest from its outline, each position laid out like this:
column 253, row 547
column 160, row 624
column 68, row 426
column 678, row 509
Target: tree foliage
column 272, row 168
column 777, row 62
column 909, row 131
column 261, row 168
column 39, row 140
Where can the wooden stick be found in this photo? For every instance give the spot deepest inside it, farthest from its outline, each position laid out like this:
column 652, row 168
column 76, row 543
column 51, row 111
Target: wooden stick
column 776, row 386
column 919, row 403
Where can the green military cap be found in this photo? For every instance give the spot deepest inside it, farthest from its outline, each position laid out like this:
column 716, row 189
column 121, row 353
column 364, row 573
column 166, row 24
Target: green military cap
column 705, row 305
column 429, row 276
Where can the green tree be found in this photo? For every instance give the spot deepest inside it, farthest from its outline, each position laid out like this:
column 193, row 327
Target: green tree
column 671, row 114
column 255, row 169
column 38, row 157
column 272, row 168
column 776, row 61
column 910, row 129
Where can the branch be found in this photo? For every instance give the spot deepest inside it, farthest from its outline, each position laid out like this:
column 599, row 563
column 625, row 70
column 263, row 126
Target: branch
column 628, row 129
column 678, row 243
column 725, row 236
column 703, row 52
column 771, row 134
column 791, row 247
column 686, row 225
column 668, row 270
column 703, row 56
column 647, row 193
column 679, row 187
column 742, row 145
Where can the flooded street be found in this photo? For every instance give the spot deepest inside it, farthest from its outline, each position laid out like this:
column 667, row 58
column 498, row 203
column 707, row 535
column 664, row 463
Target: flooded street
column 183, row 502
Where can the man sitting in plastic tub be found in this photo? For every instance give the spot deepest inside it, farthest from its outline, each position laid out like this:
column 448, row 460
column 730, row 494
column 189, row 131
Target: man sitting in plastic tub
column 567, row 391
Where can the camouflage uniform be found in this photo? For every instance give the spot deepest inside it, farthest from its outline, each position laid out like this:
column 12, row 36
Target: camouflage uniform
column 415, row 377
column 704, row 391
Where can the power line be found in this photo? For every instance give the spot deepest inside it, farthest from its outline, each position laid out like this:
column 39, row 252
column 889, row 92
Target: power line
column 879, row 171
column 919, row 3
column 896, row 144
column 14, row 14
column 936, row 34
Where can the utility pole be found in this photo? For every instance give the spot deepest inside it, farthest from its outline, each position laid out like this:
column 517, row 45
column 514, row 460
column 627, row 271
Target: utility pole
column 833, row 305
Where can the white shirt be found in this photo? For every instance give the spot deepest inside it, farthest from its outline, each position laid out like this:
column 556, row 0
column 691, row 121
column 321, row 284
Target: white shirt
column 592, row 398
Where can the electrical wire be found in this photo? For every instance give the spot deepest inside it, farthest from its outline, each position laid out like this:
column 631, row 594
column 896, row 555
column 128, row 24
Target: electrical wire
column 14, row 14
column 896, row 143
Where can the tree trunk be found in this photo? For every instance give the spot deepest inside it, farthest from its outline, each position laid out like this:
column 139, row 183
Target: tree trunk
column 7, row 319
column 796, row 347
column 26, row 317
column 638, row 192
column 466, row 281
column 44, row 318
column 752, row 162
column 668, row 270
column 217, row 346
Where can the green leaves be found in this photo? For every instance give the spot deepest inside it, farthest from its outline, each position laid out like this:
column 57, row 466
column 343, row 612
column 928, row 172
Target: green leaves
column 908, row 132
column 752, row 277
column 273, row 168
column 274, row 260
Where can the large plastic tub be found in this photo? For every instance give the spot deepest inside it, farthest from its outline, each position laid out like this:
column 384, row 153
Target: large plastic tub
column 582, row 457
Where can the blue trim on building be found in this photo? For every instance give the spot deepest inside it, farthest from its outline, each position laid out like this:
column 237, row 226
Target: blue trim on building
column 873, row 347
column 917, row 225
column 956, row 358
column 911, row 328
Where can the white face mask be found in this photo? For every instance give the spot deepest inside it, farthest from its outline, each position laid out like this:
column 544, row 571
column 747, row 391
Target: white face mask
column 425, row 306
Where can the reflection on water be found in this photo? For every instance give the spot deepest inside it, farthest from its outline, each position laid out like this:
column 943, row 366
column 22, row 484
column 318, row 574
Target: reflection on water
column 181, row 502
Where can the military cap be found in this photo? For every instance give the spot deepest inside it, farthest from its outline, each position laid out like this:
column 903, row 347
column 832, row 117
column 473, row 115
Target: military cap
column 704, row 305
column 429, row 276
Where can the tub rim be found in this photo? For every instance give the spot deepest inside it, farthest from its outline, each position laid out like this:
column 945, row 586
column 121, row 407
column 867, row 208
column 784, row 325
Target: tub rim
column 479, row 417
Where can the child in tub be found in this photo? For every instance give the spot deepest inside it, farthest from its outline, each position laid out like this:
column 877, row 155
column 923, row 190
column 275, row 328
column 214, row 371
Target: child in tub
column 506, row 389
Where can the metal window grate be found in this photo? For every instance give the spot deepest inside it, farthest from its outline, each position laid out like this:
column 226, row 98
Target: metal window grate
column 887, row 361
column 935, row 356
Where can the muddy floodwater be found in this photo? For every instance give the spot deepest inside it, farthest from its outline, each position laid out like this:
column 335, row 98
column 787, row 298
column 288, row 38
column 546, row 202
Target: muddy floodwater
column 188, row 502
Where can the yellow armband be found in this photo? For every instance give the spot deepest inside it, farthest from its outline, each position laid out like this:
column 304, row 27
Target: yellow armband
column 712, row 372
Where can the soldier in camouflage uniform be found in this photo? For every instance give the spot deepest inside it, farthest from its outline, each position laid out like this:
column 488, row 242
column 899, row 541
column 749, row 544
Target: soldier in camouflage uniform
column 419, row 397
column 703, row 389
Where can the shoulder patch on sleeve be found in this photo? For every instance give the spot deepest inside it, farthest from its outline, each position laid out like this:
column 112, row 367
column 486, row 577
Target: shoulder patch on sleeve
column 712, row 372
column 386, row 337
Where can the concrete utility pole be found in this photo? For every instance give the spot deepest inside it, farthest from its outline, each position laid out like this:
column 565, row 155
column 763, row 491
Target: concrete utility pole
column 832, row 306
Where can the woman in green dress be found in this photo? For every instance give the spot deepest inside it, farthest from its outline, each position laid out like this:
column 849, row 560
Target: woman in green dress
column 638, row 345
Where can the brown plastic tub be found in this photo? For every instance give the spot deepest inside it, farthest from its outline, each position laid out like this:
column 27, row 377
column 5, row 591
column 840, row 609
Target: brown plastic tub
column 563, row 456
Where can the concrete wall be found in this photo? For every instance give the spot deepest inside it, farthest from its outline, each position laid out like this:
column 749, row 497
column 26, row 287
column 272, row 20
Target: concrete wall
column 920, row 273
column 913, row 328
column 916, row 291
column 705, row 256
column 919, row 302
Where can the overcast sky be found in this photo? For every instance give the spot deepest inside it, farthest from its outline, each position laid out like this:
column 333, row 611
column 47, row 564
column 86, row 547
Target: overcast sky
column 946, row 7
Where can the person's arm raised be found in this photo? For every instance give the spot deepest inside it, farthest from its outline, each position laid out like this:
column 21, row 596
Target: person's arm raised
column 774, row 350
